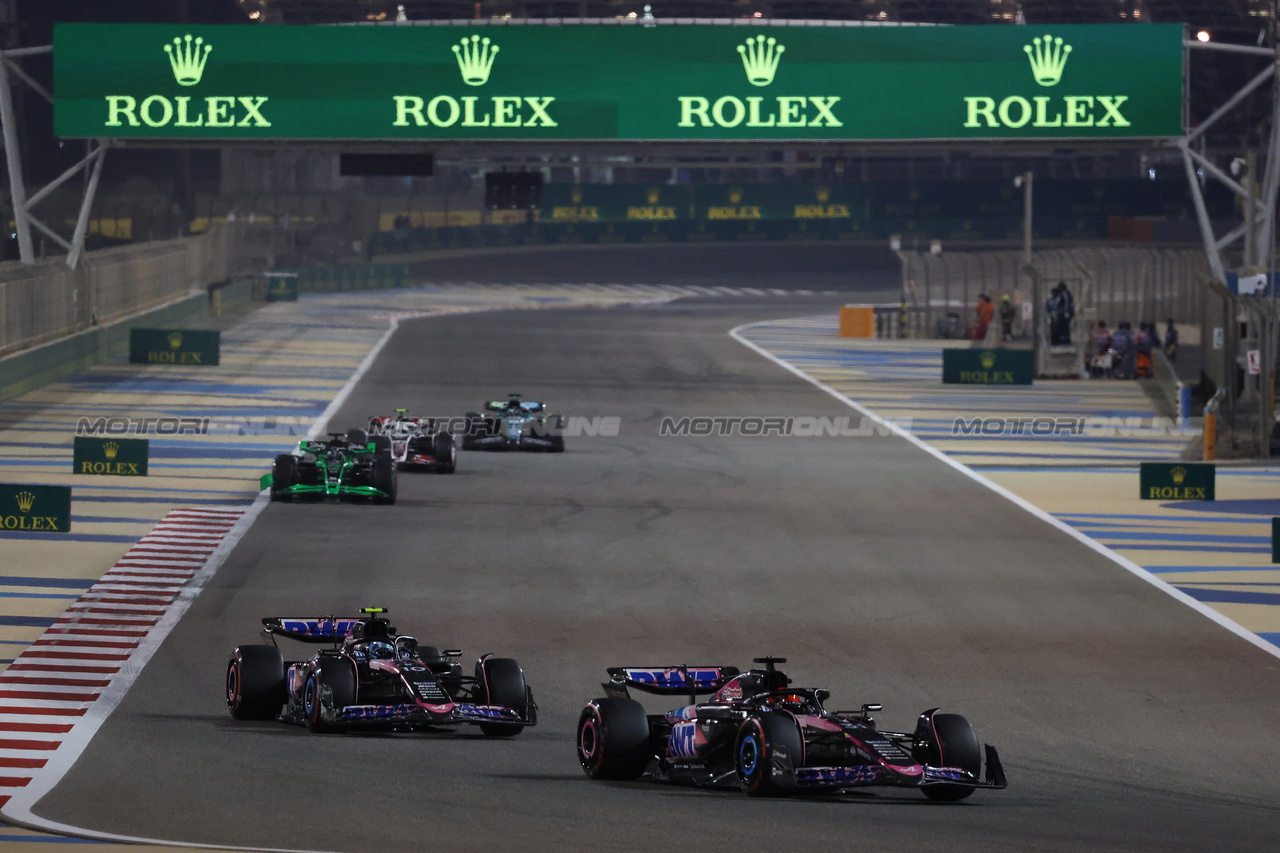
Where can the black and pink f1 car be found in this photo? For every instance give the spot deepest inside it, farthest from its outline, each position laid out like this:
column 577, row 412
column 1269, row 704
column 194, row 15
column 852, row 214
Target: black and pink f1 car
column 760, row 733
column 373, row 677
column 416, row 443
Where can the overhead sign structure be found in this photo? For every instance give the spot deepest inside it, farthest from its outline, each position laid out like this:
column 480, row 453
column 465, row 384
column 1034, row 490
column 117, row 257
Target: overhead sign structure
column 668, row 82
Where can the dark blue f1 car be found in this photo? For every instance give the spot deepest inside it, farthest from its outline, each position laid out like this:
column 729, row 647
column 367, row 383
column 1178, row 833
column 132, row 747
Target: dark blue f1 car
column 373, row 677
column 760, row 733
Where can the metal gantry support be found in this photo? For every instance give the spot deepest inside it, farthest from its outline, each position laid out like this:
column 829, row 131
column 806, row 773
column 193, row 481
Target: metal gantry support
column 1258, row 233
column 23, row 219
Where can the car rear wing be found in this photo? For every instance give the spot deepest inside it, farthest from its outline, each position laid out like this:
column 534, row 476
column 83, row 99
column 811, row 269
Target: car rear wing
column 683, row 680
column 310, row 629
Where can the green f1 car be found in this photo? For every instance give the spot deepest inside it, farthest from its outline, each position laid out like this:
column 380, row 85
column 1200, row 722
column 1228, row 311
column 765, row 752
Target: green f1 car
column 348, row 466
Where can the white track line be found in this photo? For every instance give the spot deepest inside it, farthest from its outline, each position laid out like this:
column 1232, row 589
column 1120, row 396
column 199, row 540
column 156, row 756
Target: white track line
column 18, row 809
column 1127, row 564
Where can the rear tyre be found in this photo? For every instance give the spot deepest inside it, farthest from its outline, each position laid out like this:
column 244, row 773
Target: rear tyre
column 445, row 451
column 381, row 443
column 357, row 436
column 614, row 741
column 255, row 683
column 760, row 741
column 501, row 680
column 339, row 677
column 383, row 478
column 475, row 427
column 947, row 740
column 284, row 473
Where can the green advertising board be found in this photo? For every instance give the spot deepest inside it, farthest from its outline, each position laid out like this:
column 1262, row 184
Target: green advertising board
column 174, row 346
column 669, row 82
column 120, row 457
column 987, row 366
column 282, row 288
column 35, row 509
column 1177, row 481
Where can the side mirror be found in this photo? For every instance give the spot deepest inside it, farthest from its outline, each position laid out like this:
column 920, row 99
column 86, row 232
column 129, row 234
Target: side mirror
column 867, row 709
column 822, row 695
column 451, row 653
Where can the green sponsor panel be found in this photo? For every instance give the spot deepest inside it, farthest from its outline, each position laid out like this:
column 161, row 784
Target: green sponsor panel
column 1177, row 481
column 120, row 457
column 987, row 366
column 35, row 509
column 667, row 82
column 614, row 203
column 174, row 346
column 282, row 289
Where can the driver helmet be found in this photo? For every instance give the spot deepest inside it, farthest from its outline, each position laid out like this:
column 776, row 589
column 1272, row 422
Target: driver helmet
column 379, row 650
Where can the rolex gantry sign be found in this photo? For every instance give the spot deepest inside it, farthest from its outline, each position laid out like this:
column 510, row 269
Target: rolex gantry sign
column 669, row 82
column 35, row 509
column 120, row 457
column 175, row 346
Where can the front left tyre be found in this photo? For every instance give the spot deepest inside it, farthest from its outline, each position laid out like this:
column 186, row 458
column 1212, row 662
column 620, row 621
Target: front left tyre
column 337, row 678
column 764, row 742
column 383, row 478
column 284, row 473
column 947, row 740
column 255, row 683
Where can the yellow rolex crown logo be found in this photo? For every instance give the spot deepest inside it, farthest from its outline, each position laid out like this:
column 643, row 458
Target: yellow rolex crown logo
column 988, row 359
column 760, row 57
column 653, row 194
column 25, row 501
column 175, row 339
column 111, row 449
column 1048, row 58
column 1179, row 474
column 188, row 58
column 735, row 196
column 475, row 59
column 576, row 195
column 823, row 194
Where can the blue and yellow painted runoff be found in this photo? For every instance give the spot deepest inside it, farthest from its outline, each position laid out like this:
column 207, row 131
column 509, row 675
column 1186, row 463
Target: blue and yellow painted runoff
column 1218, row 552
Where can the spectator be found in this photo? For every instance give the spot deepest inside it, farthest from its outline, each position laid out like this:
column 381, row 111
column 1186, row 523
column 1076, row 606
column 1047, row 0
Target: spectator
column 983, row 312
column 1100, row 359
column 1061, row 308
column 1142, row 345
column 1006, row 318
column 1124, row 351
column 1171, row 341
column 1155, row 335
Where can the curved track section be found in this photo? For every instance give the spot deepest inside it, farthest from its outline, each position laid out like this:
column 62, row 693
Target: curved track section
column 1125, row 720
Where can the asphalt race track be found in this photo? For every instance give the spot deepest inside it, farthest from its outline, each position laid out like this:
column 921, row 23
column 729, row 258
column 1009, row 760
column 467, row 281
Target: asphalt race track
column 1125, row 720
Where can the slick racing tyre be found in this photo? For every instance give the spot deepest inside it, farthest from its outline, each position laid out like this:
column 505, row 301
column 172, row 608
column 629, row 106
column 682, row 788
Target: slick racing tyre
column 284, row 473
column 255, row 683
column 383, row 478
column 357, row 437
column 947, row 740
column 445, row 451
column 501, row 681
column 475, row 426
column 381, row 444
column 614, row 739
column 339, row 677
column 760, row 741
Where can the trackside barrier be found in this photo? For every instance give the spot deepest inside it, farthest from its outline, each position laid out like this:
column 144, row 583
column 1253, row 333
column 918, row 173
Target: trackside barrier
column 858, row 321
column 1175, row 393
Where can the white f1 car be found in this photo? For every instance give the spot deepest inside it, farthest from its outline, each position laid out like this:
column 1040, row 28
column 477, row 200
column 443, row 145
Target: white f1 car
column 415, row 444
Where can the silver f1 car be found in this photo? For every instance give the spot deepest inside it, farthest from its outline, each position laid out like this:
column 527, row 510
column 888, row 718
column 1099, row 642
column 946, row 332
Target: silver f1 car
column 514, row 424
column 759, row 733
column 415, row 444
column 373, row 677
